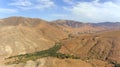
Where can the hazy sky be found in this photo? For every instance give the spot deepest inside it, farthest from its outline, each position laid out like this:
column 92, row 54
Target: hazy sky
column 79, row 10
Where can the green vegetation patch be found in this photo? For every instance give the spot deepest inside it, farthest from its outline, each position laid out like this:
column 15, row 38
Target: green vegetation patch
column 51, row 52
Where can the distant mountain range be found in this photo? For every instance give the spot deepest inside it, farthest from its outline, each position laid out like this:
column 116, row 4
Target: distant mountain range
column 64, row 23
column 80, row 27
column 76, row 24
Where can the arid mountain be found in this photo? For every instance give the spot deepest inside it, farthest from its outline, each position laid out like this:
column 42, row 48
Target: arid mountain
column 80, row 27
column 108, row 25
column 19, row 35
column 91, row 43
column 70, row 23
column 102, row 46
column 75, row 27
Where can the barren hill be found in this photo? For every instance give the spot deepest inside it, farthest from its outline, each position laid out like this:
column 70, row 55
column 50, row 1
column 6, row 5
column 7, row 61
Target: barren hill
column 19, row 35
column 103, row 46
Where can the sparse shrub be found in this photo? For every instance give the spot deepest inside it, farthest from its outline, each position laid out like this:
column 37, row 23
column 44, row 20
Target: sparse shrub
column 70, row 36
column 45, row 53
column 115, row 64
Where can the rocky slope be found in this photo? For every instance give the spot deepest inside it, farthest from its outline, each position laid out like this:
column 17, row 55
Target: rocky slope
column 102, row 46
column 19, row 35
column 51, row 62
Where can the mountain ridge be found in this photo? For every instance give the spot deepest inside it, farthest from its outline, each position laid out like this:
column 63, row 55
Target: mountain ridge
column 90, row 41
